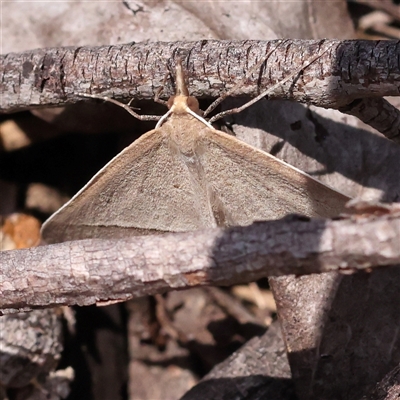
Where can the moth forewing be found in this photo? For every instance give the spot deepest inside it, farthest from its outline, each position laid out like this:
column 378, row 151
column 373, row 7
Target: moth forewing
column 138, row 192
column 257, row 186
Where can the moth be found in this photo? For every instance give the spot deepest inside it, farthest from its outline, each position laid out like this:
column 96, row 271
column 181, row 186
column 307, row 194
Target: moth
column 186, row 175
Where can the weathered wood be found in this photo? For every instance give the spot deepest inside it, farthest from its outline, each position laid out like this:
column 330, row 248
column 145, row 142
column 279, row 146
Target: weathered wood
column 89, row 271
column 349, row 70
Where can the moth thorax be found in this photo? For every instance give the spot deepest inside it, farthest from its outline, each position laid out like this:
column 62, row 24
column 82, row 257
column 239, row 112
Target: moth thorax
column 179, row 104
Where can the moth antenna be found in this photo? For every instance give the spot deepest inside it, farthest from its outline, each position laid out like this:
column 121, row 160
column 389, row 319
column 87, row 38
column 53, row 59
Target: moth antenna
column 126, row 107
column 181, row 88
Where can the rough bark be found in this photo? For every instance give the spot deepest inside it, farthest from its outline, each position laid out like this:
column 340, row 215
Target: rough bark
column 37, row 350
column 347, row 71
column 89, row 271
column 30, row 349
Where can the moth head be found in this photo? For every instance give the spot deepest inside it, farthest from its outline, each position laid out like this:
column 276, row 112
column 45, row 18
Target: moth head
column 180, row 104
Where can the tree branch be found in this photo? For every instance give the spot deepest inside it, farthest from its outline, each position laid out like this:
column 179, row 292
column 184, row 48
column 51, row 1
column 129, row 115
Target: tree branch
column 350, row 70
column 89, row 271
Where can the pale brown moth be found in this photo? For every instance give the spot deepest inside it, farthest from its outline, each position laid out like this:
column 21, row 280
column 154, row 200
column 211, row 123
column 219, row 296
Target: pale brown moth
column 185, row 175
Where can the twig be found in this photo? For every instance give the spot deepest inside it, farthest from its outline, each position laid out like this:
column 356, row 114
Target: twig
column 352, row 69
column 88, row 271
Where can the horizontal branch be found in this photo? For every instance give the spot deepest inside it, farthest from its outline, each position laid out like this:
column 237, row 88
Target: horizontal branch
column 347, row 70
column 89, row 271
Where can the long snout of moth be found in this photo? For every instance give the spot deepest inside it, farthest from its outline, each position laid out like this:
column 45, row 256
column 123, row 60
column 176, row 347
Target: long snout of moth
column 181, row 87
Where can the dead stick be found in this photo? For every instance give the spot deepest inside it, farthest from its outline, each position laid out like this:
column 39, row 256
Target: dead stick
column 89, row 271
column 352, row 69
